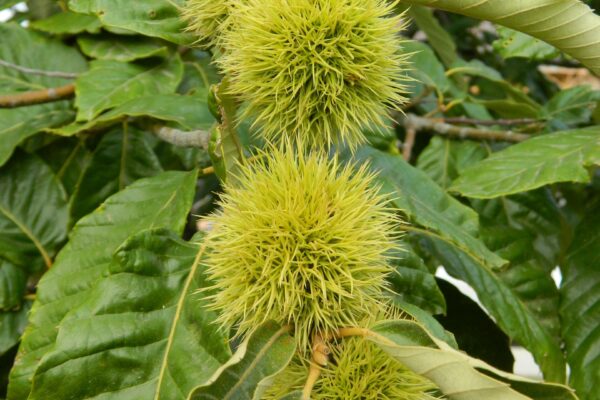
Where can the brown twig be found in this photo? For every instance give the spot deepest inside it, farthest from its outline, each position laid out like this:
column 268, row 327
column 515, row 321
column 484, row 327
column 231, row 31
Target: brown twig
column 491, row 122
column 198, row 138
column 436, row 125
column 409, row 141
column 37, row 96
column 320, row 356
column 33, row 71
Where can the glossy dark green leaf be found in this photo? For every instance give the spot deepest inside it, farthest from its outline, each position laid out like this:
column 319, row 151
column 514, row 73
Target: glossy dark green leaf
column 33, row 211
column 35, row 51
column 413, row 283
column 123, row 156
column 147, row 332
column 428, row 205
column 157, row 18
column 444, row 160
column 580, row 306
column 160, row 201
column 247, row 374
column 68, row 158
column 199, row 74
column 526, row 275
column 509, row 311
column 537, row 214
column 12, row 285
column 12, row 325
column 120, row 48
column 558, row 157
column 459, row 376
column 18, row 124
column 189, row 112
column 68, row 23
column 110, row 84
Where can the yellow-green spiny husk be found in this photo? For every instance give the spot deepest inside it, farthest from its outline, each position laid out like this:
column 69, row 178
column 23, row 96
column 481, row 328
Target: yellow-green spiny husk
column 300, row 240
column 318, row 70
column 205, row 19
column 357, row 370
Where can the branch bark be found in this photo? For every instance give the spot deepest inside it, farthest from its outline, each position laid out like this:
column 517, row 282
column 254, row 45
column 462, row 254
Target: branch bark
column 181, row 138
column 37, row 96
column 492, row 122
column 417, row 123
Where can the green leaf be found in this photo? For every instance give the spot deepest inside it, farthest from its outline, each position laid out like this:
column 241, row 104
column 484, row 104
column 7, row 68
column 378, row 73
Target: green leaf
column 428, row 322
column 12, row 325
column 509, row 311
column 68, row 158
column 414, row 284
column 428, row 205
column 18, row 124
column 496, row 94
column 35, row 51
column 225, row 148
column 444, row 160
column 199, row 75
column 12, row 285
column 161, row 201
column 110, row 84
column 38, row 52
column 437, row 36
column 247, row 374
column 189, row 112
column 580, row 306
column 33, row 211
column 537, row 214
column 123, row 156
column 459, row 376
column 68, row 23
column 156, row 18
column 569, row 25
column 570, row 107
column 430, row 71
column 148, row 310
column 516, row 44
column 120, row 48
column 528, row 229
column 557, row 157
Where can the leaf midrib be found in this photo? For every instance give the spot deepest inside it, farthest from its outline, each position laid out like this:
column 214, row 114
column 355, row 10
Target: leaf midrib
column 27, row 233
column 176, row 317
column 259, row 356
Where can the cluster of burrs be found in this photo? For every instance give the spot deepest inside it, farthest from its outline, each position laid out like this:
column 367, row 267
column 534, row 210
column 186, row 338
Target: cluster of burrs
column 300, row 238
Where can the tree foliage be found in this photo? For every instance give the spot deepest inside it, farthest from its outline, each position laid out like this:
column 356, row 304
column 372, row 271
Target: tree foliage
column 122, row 121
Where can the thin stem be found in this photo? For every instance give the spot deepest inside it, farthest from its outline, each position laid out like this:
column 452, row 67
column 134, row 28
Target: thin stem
column 37, row 96
column 198, row 138
column 320, row 357
column 491, row 122
column 33, row 71
column 435, row 125
column 409, row 142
